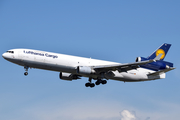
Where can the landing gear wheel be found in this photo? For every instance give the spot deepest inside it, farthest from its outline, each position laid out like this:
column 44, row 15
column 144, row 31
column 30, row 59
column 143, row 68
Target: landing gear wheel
column 87, row 84
column 104, row 82
column 92, row 85
column 26, row 73
column 98, row 82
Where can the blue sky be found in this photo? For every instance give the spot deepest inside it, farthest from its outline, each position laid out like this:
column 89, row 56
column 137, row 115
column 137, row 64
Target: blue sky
column 113, row 30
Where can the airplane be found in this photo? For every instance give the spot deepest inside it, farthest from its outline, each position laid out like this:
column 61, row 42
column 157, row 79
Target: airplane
column 74, row 67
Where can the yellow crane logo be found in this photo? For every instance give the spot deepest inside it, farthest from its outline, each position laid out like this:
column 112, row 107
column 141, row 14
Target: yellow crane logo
column 160, row 51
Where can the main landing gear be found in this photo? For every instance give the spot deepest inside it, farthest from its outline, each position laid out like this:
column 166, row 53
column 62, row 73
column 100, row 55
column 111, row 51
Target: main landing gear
column 26, row 69
column 98, row 82
column 90, row 84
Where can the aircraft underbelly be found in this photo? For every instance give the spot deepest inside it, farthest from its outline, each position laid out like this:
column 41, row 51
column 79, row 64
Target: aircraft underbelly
column 128, row 76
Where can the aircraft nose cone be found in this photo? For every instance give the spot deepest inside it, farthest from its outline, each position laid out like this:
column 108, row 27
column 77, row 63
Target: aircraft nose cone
column 4, row 55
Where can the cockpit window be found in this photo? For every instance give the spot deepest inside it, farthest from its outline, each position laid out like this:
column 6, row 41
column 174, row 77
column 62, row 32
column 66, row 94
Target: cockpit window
column 10, row 52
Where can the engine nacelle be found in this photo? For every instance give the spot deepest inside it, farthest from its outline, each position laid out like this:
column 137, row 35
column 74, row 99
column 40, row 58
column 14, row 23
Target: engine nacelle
column 139, row 59
column 84, row 70
column 68, row 76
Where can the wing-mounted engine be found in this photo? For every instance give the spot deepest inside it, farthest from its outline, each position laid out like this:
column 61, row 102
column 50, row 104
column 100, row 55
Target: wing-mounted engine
column 158, row 65
column 85, row 70
column 68, row 76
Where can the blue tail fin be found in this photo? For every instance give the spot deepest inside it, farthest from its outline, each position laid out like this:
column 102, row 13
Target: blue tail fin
column 158, row 65
column 162, row 49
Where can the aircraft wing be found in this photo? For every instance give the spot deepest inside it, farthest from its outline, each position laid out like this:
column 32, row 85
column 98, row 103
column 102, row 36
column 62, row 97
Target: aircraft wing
column 124, row 67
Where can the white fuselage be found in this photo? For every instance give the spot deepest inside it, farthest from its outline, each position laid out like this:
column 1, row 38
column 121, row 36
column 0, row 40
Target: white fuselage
column 67, row 63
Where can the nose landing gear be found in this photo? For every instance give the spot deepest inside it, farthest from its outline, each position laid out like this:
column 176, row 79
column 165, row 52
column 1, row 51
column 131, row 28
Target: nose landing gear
column 26, row 69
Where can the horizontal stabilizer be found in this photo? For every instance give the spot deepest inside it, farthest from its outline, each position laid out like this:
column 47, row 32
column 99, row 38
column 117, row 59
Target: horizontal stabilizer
column 161, row 72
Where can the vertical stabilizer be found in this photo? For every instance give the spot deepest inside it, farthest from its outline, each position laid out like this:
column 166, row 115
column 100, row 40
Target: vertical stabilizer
column 163, row 49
